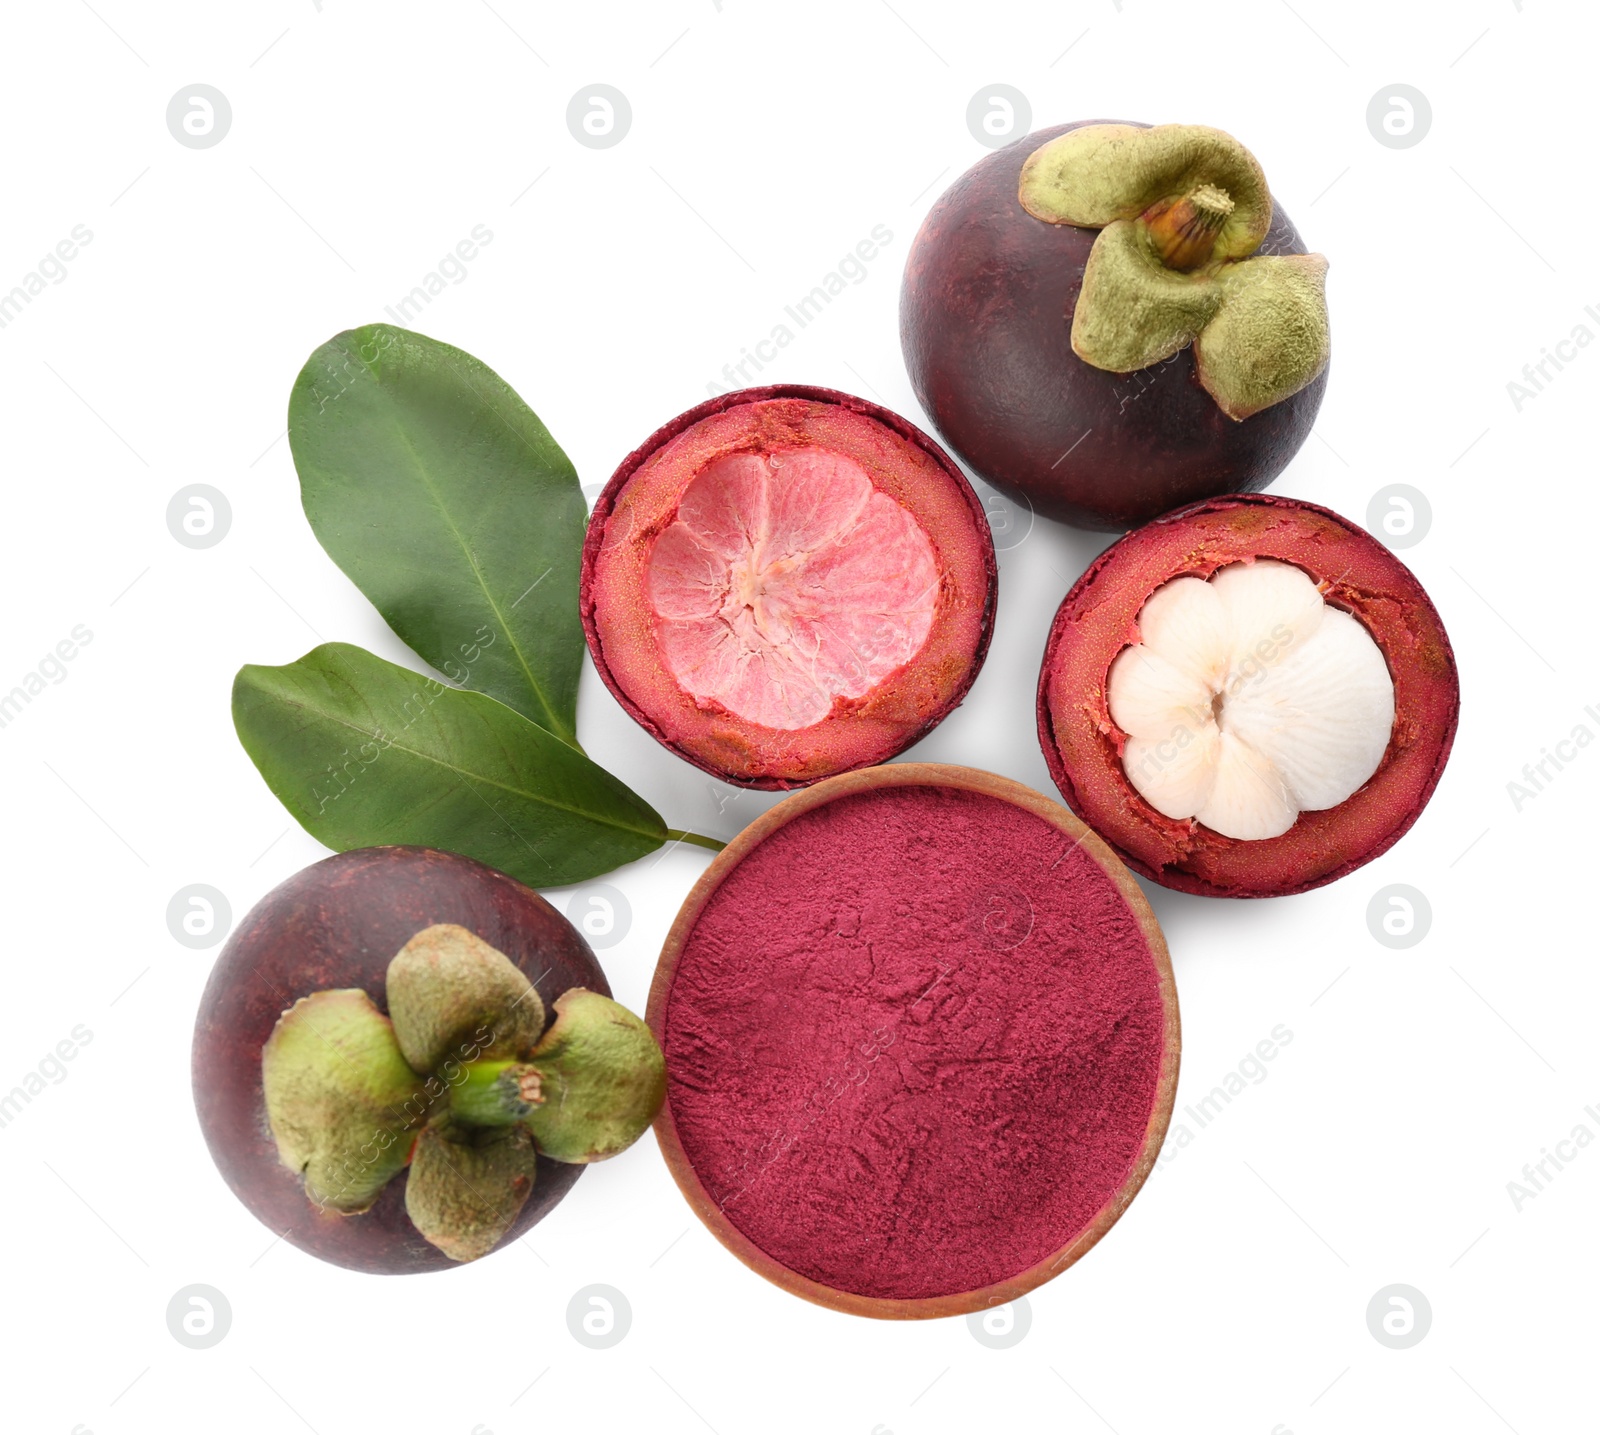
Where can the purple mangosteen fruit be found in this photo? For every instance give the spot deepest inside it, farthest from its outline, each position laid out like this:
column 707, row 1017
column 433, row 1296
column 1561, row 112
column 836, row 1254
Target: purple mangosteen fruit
column 1108, row 321
column 404, row 1058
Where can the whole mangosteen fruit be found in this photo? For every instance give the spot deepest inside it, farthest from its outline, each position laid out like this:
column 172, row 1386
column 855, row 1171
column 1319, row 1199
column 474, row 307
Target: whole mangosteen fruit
column 787, row 582
column 1249, row 697
column 403, row 1059
column 1111, row 320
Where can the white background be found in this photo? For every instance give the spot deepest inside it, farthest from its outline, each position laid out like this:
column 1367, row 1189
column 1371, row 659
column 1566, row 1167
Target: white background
column 766, row 141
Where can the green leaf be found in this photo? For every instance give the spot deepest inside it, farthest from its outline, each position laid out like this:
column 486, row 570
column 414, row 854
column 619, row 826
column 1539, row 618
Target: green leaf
column 366, row 753
column 446, row 501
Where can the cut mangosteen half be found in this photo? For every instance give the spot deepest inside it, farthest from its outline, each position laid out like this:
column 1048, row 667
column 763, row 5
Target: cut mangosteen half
column 922, row 1041
column 403, row 1059
column 787, row 582
column 1249, row 697
column 1110, row 320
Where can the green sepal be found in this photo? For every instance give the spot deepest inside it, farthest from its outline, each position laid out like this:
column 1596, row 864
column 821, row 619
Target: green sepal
column 466, row 1189
column 1259, row 324
column 340, row 1098
column 1269, row 337
column 454, row 998
column 1095, row 174
column 602, row 1077
column 1132, row 310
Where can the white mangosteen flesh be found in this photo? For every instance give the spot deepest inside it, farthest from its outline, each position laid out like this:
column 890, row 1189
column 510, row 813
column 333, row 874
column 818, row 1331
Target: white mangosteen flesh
column 1249, row 700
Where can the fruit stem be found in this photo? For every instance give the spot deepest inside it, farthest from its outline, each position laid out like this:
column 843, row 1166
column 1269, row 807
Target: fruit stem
column 1184, row 231
column 710, row 843
column 495, row 1093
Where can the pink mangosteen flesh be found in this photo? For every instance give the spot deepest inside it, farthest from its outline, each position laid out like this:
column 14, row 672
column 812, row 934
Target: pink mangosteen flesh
column 787, row 582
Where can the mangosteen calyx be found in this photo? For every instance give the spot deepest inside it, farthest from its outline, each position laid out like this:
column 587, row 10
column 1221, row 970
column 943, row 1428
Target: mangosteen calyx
column 467, row 1186
column 460, row 1081
column 338, row 1088
column 1181, row 210
column 602, row 1079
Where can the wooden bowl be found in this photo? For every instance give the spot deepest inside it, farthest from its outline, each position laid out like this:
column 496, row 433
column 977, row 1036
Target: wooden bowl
column 1157, row 1018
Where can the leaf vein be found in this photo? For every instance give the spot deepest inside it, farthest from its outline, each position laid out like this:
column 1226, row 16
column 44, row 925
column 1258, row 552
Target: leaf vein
column 376, row 733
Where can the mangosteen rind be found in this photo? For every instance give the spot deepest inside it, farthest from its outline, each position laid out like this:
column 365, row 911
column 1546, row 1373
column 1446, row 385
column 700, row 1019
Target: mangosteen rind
column 1084, row 747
